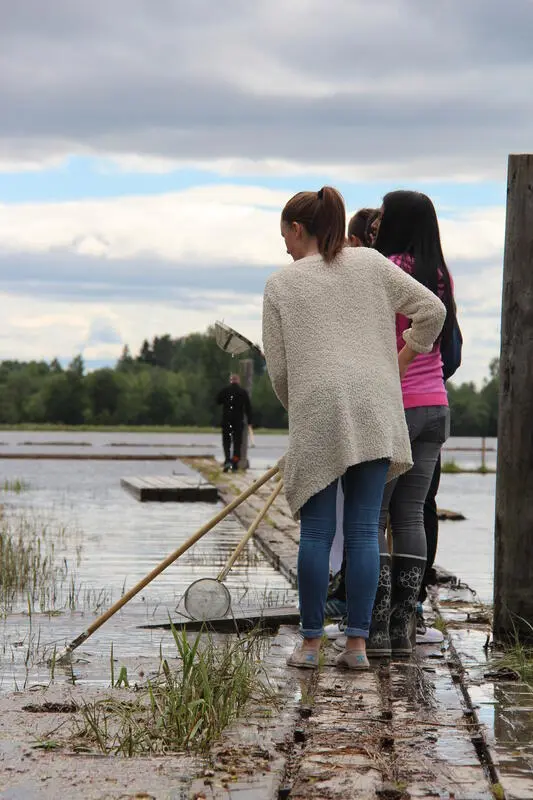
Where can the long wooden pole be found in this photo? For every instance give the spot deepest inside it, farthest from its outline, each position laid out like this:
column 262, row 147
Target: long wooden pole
column 247, row 368
column 513, row 551
column 167, row 562
column 249, row 533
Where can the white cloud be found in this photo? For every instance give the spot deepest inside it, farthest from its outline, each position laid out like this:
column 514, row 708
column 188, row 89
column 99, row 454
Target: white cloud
column 200, row 226
column 416, row 168
column 214, row 223
column 137, row 267
column 473, row 234
column 44, row 329
column 407, row 91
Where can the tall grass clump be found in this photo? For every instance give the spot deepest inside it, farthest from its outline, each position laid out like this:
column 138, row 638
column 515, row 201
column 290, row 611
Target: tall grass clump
column 183, row 709
column 29, row 572
column 16, row 485
column 518, row 655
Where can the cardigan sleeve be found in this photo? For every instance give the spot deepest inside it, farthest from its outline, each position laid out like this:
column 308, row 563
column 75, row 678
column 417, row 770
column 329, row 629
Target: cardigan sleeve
column 274, row 346
column 410, row 298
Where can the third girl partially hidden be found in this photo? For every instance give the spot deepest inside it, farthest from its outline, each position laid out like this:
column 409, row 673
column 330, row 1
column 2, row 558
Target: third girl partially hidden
column 329, row 334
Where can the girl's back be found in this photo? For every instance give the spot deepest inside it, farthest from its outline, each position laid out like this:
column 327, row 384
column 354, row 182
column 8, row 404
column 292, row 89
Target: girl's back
column 340, row 321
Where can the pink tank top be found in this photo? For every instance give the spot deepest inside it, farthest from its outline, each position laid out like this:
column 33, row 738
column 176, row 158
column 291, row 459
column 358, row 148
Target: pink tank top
column 423, row 384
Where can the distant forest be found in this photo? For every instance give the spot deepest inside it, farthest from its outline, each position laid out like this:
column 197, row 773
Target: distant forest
column 175, row 382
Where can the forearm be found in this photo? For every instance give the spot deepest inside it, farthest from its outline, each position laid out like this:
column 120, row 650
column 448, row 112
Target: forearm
column 405, row 357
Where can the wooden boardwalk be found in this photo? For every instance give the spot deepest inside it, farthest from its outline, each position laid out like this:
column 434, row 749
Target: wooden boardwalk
column 171, row 489
column 402, row 730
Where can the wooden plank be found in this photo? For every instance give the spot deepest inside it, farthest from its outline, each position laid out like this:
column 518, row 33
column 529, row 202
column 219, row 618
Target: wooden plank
column 171, row 488
column 267, row 619
column 132, row 487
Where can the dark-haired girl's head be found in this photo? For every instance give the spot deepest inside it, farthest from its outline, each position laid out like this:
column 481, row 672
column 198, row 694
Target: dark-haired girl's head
column 409, row 225
column 314, row 222
column 360, row 230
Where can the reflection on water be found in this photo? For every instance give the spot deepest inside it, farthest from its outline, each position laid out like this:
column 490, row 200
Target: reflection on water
column 113, row 540
column 110, row 542
column 505, row 712
column 467, row 548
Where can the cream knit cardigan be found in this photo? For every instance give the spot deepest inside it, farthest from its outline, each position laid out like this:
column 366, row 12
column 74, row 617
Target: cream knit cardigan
column 329, row 339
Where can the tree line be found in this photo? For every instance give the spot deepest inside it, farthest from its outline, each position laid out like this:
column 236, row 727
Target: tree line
column 175, row 382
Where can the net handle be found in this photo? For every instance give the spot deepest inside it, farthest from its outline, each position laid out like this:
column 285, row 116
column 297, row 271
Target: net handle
column 250, row 532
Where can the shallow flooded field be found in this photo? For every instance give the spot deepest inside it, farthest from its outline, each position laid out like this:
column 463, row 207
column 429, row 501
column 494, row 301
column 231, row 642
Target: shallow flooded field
column 96, row 541
column 99, row 542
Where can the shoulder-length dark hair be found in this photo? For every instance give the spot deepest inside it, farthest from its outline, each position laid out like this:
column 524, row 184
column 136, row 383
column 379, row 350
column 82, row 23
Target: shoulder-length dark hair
column 409, row 226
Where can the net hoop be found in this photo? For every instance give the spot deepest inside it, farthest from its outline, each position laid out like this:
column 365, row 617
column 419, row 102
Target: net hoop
column 231, row 341
column 207, row 598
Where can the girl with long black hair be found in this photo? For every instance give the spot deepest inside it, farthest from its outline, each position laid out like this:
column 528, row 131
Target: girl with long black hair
column 408, row 234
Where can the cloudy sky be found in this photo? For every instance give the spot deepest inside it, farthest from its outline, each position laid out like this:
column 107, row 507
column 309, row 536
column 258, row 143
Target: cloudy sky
column 146, row 149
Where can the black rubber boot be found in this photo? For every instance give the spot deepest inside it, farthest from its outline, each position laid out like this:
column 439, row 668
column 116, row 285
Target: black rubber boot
column 407, row 574
column 378, row 644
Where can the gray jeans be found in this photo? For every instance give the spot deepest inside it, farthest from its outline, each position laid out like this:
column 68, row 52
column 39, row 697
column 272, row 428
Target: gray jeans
column 429, row 427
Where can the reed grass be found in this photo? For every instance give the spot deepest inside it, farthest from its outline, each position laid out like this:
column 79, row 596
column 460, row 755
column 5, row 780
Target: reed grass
column 518, row 655
column 16, row 485
column 27, row 560
column 32, row 573
column 183, row 709
column 453, row 468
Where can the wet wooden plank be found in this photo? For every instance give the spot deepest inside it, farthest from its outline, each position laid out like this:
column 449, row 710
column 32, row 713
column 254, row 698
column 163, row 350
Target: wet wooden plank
column 267, row 619
column 171, row 489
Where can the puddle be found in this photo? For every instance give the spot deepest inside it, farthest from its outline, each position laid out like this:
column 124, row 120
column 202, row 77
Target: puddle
column 506, row 712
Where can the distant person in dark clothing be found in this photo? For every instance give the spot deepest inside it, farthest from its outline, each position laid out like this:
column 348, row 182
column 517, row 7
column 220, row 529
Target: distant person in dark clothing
column 236, row 406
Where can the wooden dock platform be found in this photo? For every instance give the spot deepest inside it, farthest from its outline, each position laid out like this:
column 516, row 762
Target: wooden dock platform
column 171, row 489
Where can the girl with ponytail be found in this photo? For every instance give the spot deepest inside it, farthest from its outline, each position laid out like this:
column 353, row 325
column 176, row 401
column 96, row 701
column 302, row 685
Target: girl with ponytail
column 330, row 345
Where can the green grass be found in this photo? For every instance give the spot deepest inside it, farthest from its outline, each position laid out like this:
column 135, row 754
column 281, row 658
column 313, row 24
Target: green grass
column 440, row 624
column 450, row 467
column 34, row 577
column 453, row 468
column 16, row 485
column 27, row 560
column 129, row 428
column 186, row 709
column 518, row 656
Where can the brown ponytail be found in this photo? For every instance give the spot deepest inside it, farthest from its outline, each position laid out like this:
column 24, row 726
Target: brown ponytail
column 323, row 215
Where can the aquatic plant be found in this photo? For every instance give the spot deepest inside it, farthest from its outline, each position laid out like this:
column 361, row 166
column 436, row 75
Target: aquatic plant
column 33, row 575
column 27, row 561
column 181, row 709
column 517, row 655
column 16, row 485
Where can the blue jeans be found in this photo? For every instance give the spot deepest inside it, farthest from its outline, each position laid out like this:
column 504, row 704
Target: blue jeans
column 363, row 494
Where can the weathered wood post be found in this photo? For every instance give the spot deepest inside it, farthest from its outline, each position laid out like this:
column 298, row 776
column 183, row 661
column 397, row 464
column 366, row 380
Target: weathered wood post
column 247, row 381
column 513, row 551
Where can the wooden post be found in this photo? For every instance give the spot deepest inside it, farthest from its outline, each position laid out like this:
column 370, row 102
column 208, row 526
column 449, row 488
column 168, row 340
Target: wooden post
column 513, row 551
column 247, row 380
column 483, row 454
